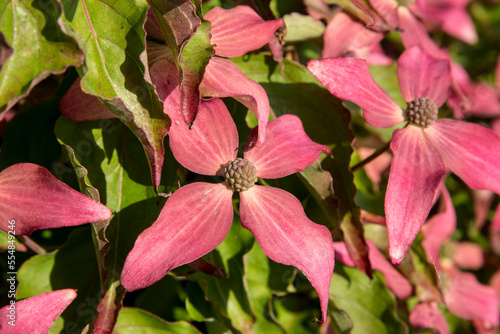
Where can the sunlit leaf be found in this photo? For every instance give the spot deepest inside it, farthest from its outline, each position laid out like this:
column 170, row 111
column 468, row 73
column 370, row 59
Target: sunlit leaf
column 39, row 47
column 134, row 320
column 113, row 38
column 368, row 303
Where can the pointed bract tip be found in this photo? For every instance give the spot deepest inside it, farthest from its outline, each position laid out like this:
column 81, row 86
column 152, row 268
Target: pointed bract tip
column 397, row 255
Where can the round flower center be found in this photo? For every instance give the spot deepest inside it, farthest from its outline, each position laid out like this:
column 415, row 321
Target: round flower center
column 241, row 174
column 422, row 112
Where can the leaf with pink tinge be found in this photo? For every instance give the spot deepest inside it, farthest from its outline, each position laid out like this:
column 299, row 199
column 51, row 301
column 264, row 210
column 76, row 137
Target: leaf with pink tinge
column 174, row 21
column 35, row 199
column 239, row 30
column 36, row 314
column 421, row 75
column 224, row 79
column 278, row 222
column 349, row 79
column 439, row 228
column 210, row 144
column 469, row 150
column 469, row 299
column 286, row 150
column 114, row 39
column 428, row 315
column 394, row 280
column 416, row 171
column 195, row 219
column 79, row 106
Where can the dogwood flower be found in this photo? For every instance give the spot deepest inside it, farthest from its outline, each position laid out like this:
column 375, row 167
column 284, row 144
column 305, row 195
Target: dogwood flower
column 197, row 217
column 463, row 294
column 426, row 148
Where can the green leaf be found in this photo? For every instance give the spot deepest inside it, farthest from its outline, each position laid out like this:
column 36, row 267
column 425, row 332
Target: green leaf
column 296, row 91
column 302, row 27
column 101, row 244
column 171, row 306
column 114, row 40
column 193, row 59
column 137, row 321
column 72, row 266
column 118, row 169
column 227, row 295
column 39, row 46
column 257, row 276
column 368, row 303
column 319, row 184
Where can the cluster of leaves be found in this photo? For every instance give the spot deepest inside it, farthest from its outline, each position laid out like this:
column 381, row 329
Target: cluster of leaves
column 122, row 162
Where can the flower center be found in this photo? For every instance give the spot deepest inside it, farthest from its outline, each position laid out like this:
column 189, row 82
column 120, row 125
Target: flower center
column 422, row 112
column 241, row 174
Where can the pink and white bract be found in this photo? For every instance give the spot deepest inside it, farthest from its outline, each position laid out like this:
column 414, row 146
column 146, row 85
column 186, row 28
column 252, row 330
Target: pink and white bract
column 422, row 153
column 197, row 217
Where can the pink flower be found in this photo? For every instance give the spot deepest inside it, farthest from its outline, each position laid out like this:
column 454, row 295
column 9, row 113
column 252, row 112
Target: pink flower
column 481, row 98
column 34, row 199
column 449, row 15
column 426, row 148
column 346, row 37
column 463, row 295
column 428, row 315
column 197, row 217
column 35, row 314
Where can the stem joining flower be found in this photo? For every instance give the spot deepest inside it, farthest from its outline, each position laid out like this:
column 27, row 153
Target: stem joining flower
column 422, row 112
column 241, row 174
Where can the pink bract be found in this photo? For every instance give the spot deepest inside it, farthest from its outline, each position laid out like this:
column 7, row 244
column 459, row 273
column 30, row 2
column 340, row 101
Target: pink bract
column 35, row 199
column 36, row 314
column 422, row 155
column 463, row 294
column 428, row 315
column 197, row 217
column 345, row 37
